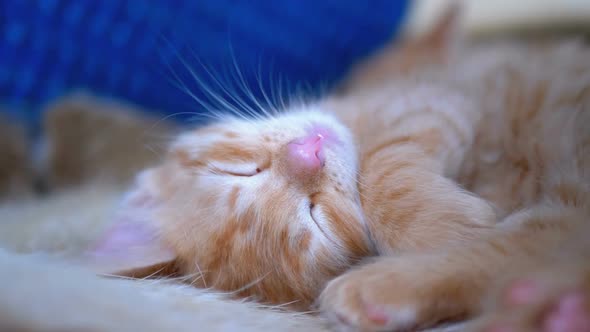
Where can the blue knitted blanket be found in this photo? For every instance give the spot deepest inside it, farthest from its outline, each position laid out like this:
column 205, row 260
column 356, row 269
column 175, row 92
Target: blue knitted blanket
column 156, row 53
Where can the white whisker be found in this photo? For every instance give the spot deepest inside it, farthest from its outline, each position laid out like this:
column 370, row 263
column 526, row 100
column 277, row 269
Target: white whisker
column 250, row 284
column 226, row 89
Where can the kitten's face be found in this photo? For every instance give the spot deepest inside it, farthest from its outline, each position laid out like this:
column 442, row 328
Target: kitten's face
column 268, row 208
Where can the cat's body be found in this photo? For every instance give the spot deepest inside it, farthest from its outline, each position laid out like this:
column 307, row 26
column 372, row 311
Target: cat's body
column 482, row 120
column 509, row 123
column 277, row 207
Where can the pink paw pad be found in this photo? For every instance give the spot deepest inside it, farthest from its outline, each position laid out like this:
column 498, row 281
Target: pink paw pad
column 376, row 315
column 570, row 314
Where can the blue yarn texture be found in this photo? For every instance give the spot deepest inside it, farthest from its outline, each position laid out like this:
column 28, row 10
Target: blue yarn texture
column 151, row 52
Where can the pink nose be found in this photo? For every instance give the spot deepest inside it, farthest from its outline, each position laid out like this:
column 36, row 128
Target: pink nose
column 305, row 155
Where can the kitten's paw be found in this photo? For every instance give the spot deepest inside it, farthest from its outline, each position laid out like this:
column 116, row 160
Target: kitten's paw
column 359, row 300
column 389, row 295
column 558, row 303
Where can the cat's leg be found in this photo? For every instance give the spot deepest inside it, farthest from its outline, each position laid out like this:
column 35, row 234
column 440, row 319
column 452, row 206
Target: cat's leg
column 411, row 152
column 422, row 289
column 555, row 299
column 411, row 205
column 406, row 292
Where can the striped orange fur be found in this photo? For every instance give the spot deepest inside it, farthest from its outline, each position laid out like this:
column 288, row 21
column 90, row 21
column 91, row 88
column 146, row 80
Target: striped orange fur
column 453, row 165
column 510, row 124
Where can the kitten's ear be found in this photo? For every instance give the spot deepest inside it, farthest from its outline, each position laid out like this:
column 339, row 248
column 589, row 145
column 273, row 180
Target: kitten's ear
column 132, row 246
column 404, row 56
column 445, row 36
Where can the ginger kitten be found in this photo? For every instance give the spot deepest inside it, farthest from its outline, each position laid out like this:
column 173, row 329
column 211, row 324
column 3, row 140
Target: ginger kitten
column 276, row 207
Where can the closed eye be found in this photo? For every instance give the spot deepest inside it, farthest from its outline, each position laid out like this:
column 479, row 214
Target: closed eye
column 311, row 214
column 312, row 197
column 315, row 218
column 241, row 169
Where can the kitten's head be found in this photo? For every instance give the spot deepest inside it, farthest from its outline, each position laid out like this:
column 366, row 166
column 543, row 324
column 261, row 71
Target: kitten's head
column 266, row 208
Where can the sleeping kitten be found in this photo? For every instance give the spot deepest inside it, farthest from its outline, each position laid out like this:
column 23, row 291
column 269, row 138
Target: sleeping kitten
column 275, row 207
column 270, row 207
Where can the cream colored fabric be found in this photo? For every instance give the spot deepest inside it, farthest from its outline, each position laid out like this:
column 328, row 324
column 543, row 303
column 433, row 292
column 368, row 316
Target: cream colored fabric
column 488, row 17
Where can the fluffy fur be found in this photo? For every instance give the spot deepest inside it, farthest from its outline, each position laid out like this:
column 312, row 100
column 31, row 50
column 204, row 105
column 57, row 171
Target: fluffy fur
column 511, row 124
column 227, row 206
